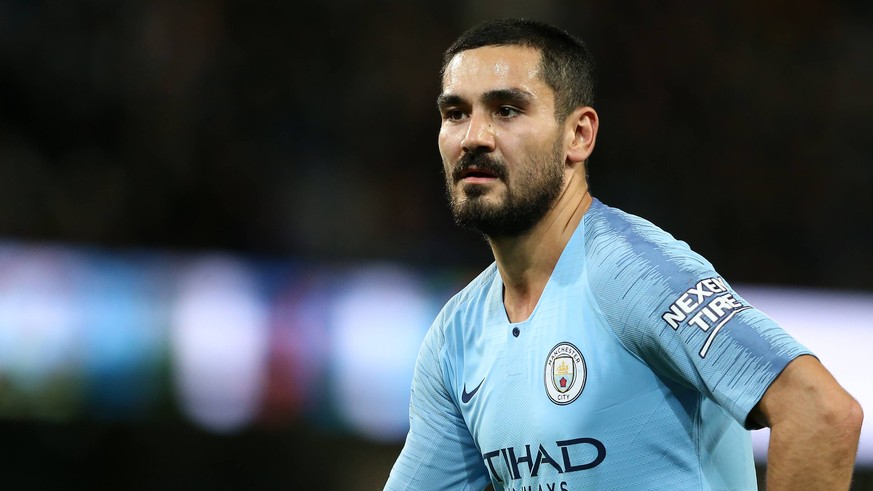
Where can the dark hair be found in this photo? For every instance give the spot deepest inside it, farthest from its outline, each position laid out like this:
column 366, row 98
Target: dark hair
column 567, row 67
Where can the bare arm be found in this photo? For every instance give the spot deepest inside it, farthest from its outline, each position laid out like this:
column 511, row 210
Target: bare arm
column 814, row 429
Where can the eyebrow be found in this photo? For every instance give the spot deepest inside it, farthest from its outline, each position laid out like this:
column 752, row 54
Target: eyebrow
column 446, row 100
column 513, row 96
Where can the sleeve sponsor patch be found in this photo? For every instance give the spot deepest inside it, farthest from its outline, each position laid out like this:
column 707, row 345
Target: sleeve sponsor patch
column 708, row 305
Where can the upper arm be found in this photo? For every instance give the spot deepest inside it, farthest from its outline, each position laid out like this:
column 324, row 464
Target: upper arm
column 671, row 309
column 724, row 348
column 439, row 452
column 805, row 389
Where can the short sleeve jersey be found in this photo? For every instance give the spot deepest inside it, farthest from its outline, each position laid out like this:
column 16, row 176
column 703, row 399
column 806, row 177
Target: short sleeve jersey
column 636, row 370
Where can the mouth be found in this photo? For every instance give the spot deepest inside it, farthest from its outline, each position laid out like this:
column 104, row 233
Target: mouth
column 478, row 168
column 474, row 174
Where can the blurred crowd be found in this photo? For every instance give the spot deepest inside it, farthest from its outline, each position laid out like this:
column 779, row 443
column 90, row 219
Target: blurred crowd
column 309, row 129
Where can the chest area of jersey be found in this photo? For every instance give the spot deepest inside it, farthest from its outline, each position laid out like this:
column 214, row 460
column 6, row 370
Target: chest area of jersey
column 546, row 397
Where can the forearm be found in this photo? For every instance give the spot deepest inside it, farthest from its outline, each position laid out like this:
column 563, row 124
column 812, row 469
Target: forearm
column 813, row 457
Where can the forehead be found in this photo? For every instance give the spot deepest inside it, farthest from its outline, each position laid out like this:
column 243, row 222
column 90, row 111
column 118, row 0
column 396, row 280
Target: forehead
column 488, row 68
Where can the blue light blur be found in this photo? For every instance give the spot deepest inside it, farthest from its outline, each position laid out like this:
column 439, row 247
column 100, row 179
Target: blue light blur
column 232, row 342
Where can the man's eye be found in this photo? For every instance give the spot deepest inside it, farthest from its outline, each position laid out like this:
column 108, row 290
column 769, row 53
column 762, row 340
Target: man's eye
column 507, row 111
column 454, row 114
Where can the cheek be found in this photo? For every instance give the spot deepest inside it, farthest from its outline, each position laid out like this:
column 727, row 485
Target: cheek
column 448, row 147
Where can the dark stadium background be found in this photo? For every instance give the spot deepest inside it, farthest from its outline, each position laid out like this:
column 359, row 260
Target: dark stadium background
column 303, row 135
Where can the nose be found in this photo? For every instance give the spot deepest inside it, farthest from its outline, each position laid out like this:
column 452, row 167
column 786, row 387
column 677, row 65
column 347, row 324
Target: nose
column 479, row 136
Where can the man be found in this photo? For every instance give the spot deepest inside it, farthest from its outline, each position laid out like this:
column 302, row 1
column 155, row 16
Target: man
column 597, row 352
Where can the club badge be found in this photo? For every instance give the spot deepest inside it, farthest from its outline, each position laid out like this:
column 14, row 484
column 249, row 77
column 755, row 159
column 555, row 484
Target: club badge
column 565, row 374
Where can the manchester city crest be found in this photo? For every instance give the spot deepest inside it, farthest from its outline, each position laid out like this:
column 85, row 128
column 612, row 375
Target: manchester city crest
column 565, row 373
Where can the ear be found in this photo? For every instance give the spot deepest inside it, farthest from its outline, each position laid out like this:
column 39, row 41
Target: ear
column 581, row 129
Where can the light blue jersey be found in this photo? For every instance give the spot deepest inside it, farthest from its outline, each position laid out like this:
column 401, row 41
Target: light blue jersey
column 636, row 370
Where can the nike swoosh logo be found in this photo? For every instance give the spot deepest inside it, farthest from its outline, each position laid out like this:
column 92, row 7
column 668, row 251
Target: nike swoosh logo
column 466, row 396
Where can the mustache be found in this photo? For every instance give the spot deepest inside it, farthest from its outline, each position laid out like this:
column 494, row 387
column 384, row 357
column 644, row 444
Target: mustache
column 480, row 161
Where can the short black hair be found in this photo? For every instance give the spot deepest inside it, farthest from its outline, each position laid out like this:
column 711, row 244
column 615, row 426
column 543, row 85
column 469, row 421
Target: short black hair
column 567, row 66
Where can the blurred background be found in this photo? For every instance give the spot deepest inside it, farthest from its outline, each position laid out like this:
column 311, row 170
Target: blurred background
column 223, row 232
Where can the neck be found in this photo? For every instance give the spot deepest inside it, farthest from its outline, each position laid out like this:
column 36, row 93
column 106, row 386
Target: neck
column 526, row 262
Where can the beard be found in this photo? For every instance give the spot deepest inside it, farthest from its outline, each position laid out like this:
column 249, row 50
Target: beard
column 530, row 193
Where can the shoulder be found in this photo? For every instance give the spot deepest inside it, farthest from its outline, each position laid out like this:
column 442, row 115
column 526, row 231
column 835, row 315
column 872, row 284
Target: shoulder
column 445, row 340
column 620, row 244
column 472, row 297
column 635, row 270
column 464, row 304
